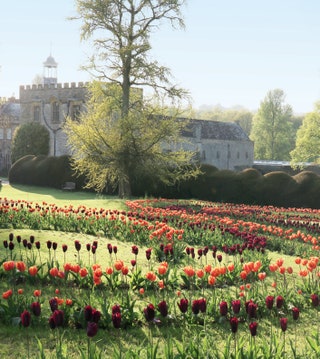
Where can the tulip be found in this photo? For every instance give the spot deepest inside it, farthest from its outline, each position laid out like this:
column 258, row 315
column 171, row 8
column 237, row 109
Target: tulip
column 295, row 313
column 92, row 329
column 283, row 324
column 253, row 328
column 36, row 308
column 236, row 306
column 116, row 320
column 219, row 257
column 269, row 301
column 49, row 244
column 95, row 316
column 58, row 317
column 183, row 305
column 25, row 318
column 149, row 312
column 135, row 250
column 148, row 253
column 64, row 248
column 11, row 236
column 315, row 300
column 234, row 324
column 223, row 308
column 88, row 313
column 252, row 309
column 53, row 304
column 32, row 239
column 163, row 308
column 37, row 244
column 279, row 301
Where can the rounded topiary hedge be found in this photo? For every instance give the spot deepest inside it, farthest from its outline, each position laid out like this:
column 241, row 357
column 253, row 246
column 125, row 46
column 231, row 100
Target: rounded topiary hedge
column 44, row 171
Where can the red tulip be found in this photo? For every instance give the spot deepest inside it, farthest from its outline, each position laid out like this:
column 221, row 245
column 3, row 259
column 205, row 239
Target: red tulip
column 269, row 301
column 315, row 300
column 279, row 301
column 295, row 313
column 116, row 320
column 36, row 308
column 236, row 306
column 149, row 312
column 223, row 308
column 163, row 308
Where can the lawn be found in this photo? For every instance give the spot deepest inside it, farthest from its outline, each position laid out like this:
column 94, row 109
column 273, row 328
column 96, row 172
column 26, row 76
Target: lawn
column 90, row 276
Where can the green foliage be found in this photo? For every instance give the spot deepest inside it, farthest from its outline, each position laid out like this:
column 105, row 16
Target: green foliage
column 115, row 151
column 308, row 140
column 272, row 129
column 29, row 139
column 43, row 171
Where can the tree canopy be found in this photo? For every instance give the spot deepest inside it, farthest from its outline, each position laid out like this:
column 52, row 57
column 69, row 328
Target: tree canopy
column 122, row 133
column 308, row 140
column 148, row 144
column 272, row 129
column 29, row 139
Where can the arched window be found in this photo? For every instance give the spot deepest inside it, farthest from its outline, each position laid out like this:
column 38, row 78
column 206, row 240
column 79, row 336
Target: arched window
column 55, row 112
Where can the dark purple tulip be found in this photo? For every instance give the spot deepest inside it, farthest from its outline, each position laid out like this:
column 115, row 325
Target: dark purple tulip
column 116, row 320
column 163, row 308
column 58, row 317
column 115, row 249
column 183, row 305
column 109, row 246
column 88, row 313
column 148, row 253
column 279, row 301
column 49, row 244
column 36, row 308
column 135, row 250
column 219, row 257
column 95, row 244
column 64, row 248
column 37, row 244
column 51, row 322
column 11, row 246
column 25, row 318
column 29, row 245
column 200, row 252
column 53, row 304
column 202, row 305
column 253, row 328
column 11, row 236
column 283, row 324
column 88, row 246
column 25, row 243
column 295, row 313
column 32, row 239
column 133, row 262
column 54, row 245
column 236, row 306
column 92, row 329
column 93, row 249
column 315, row 300
column 5, row 244
column 116, row 309
column 96, row 315
column 252, row 309
column 223, row 308
column 149, row 312
column 234, row 324
column 269, row 302
column 19, row 239
column 77, row 245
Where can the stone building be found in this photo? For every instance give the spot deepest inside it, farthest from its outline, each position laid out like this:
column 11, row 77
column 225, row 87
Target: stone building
column 224, row 145
column 9, row 121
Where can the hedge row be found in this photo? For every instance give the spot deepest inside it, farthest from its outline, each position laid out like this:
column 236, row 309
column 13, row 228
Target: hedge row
column 249, row 186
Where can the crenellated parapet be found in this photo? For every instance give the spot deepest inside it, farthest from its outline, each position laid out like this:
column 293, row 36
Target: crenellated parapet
column 65, row 85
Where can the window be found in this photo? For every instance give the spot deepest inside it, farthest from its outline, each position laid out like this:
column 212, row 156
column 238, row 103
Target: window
column 36, row 113
column 9, row 133
column 247, row 155
column 238, row 155
column 55, row 112
column 1, row 133
column 75, row 112
column 218, row 154
column 203, row 155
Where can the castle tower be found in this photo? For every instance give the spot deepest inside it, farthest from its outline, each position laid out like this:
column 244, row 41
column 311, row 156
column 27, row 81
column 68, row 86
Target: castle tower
column 50, row 71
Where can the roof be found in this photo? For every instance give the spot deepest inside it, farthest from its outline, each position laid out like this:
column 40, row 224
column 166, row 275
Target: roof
column 50, row 62
column 215, row 130
column 11, row 109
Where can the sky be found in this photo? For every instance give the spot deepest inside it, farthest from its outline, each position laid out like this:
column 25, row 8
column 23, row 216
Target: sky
column 231, row 52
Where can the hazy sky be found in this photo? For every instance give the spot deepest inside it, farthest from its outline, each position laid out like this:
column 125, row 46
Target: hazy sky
column 231, row 53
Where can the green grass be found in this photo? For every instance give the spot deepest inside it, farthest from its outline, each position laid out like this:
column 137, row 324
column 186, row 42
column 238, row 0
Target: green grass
column 59, row 197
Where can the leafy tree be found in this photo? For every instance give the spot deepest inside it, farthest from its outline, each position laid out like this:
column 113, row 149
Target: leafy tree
column 29, row 139
column 124, row 28
column 271, row 128
column 149, row 145
column 308, row 140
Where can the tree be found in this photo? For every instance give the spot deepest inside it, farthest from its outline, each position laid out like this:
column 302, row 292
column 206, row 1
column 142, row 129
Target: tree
column 272, row 129
column 308, row 140
column 124, row 28
column 29, row 139
column 149, row 145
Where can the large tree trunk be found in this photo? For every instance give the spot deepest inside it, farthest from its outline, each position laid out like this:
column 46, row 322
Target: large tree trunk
column 124, row 188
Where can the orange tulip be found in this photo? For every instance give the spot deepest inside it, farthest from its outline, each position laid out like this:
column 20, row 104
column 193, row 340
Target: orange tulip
column 83, row 272
column 189, row 271
column 151, row 276
column 109, row 270
column 211, row 280
column 33, row 271
column 162, row 269
column 200, row 273
column 8, row 266
column 7, row 294
column 20, row 291
column 54, row 272
column 262, row 276
column 125, row 270
column 118, row 264
column 21, row 266
column 37, row 292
